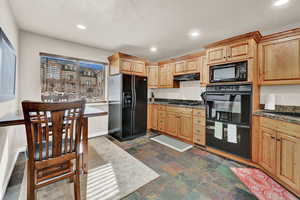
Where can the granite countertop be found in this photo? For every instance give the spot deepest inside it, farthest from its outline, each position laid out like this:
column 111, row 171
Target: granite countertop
column 167, row 102
column 278, row 116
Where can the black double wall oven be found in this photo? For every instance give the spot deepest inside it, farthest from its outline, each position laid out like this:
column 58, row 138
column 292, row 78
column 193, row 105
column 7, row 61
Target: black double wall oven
column 228, row 118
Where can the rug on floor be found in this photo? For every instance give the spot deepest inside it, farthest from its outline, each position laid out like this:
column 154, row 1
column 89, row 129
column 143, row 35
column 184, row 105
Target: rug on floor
column 261, row 185
column 113, row 174
column 172, row 143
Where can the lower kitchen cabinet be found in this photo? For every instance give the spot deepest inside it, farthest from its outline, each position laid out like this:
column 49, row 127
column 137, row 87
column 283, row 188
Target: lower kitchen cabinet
column 172, row 124
column 184, row 123
column 288, row 160
column 280, row 150
column 186, row 127
column 268, row 149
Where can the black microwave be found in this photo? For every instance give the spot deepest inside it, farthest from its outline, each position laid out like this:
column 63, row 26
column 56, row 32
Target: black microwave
column 232, row 72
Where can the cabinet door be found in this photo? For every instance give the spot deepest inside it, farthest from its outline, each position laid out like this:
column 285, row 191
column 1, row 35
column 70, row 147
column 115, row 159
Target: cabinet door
column 169, row 76
column 280, row 60
column 154, row 117
column 126, row 66
column 153, row 77
column 162, row 76
column 171, row 123
column 216, row 55
column 204, row 74
column 161, row 120
column 192, row 65
column 268, row 149
column 288, row 160
column 179, row 67
column 186, row 127
column 139, row 68
column 238, row 51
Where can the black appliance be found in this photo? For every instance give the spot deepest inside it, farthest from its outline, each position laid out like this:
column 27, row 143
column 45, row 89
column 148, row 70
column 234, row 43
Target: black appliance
column 232, row 72
column 187, row 77
column 228, row 118
column 127, row 95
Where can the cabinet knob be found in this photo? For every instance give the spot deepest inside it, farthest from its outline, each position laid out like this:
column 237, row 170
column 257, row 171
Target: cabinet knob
column 273, row 138
column 279, row 140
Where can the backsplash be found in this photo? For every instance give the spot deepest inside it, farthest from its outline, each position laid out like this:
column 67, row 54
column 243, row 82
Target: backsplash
column 288, row 95
column 189, row 90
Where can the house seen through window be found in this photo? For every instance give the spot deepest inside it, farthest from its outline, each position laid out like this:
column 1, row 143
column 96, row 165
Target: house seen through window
column 64, row 79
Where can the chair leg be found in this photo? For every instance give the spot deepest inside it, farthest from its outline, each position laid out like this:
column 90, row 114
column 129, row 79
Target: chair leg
column 77, row 185
column 31, row 193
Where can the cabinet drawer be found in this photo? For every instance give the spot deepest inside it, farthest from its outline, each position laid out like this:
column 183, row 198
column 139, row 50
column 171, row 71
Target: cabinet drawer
column 198, row 121
column 199, row 112
column 161, row 107
column 186, row 111
column 173, row 109
column 268, row 123
column 288, row 128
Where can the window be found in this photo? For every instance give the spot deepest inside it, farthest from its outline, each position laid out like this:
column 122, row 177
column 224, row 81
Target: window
column 68, row 79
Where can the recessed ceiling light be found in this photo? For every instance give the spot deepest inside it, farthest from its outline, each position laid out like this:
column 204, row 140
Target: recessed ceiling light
column 195, row 33
column 280, row 2
column 153, row 49
column 80, row 26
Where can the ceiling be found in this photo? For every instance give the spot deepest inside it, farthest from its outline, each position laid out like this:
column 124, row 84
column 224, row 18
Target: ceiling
column 133, row 26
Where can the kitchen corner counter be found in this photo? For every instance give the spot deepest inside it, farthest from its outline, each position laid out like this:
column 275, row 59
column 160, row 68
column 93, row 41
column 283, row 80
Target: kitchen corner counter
column 278, row 116
column 202, row 107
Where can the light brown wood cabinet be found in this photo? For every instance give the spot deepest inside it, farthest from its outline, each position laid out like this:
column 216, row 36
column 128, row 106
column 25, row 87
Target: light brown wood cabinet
column 204, row 73
column 280, row 150
column 183, row 123
column 186, row 127
column 268, row 149
column 154, row 117
column 187, row 66
column 199, row 126
column 179, row 67
column 165, row 77
column 217, row 55
column 279, row 60
column 126, row 64
column 172, row 126
column 233, row 50
column 153, row 75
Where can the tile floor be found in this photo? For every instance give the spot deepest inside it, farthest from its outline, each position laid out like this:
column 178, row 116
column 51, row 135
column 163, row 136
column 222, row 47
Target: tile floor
column 194, row 174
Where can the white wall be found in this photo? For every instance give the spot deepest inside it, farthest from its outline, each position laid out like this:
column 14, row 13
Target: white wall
column 8, row 149
column 189, row 90
column 31, row 45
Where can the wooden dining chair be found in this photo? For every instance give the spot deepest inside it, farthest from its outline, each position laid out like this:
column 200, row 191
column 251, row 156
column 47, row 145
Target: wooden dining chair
column 53, row 133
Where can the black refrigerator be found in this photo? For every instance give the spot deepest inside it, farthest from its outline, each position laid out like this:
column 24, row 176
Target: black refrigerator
column 127, row 99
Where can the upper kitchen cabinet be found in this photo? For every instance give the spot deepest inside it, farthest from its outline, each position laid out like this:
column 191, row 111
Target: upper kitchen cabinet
column 165, row 77
column 126, row 64
column 279, row 58
column 234, row 49
column 153, row 76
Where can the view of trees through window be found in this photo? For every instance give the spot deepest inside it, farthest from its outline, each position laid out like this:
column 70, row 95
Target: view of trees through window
column 65, row 80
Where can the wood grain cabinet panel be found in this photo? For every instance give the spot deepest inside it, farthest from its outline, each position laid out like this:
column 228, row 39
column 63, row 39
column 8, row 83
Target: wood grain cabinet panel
column 268, row 149
column 192, row 65
column 238, row 51
column 217, row 55
column 161, row 124
column 139, row 68
column 153, row 81
column 288, row 160
column 179, row 67
column 154, row 117
column 204, row 71
column 126, row 66
column 172, row 124
column 279, row 61
column 186, row 127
